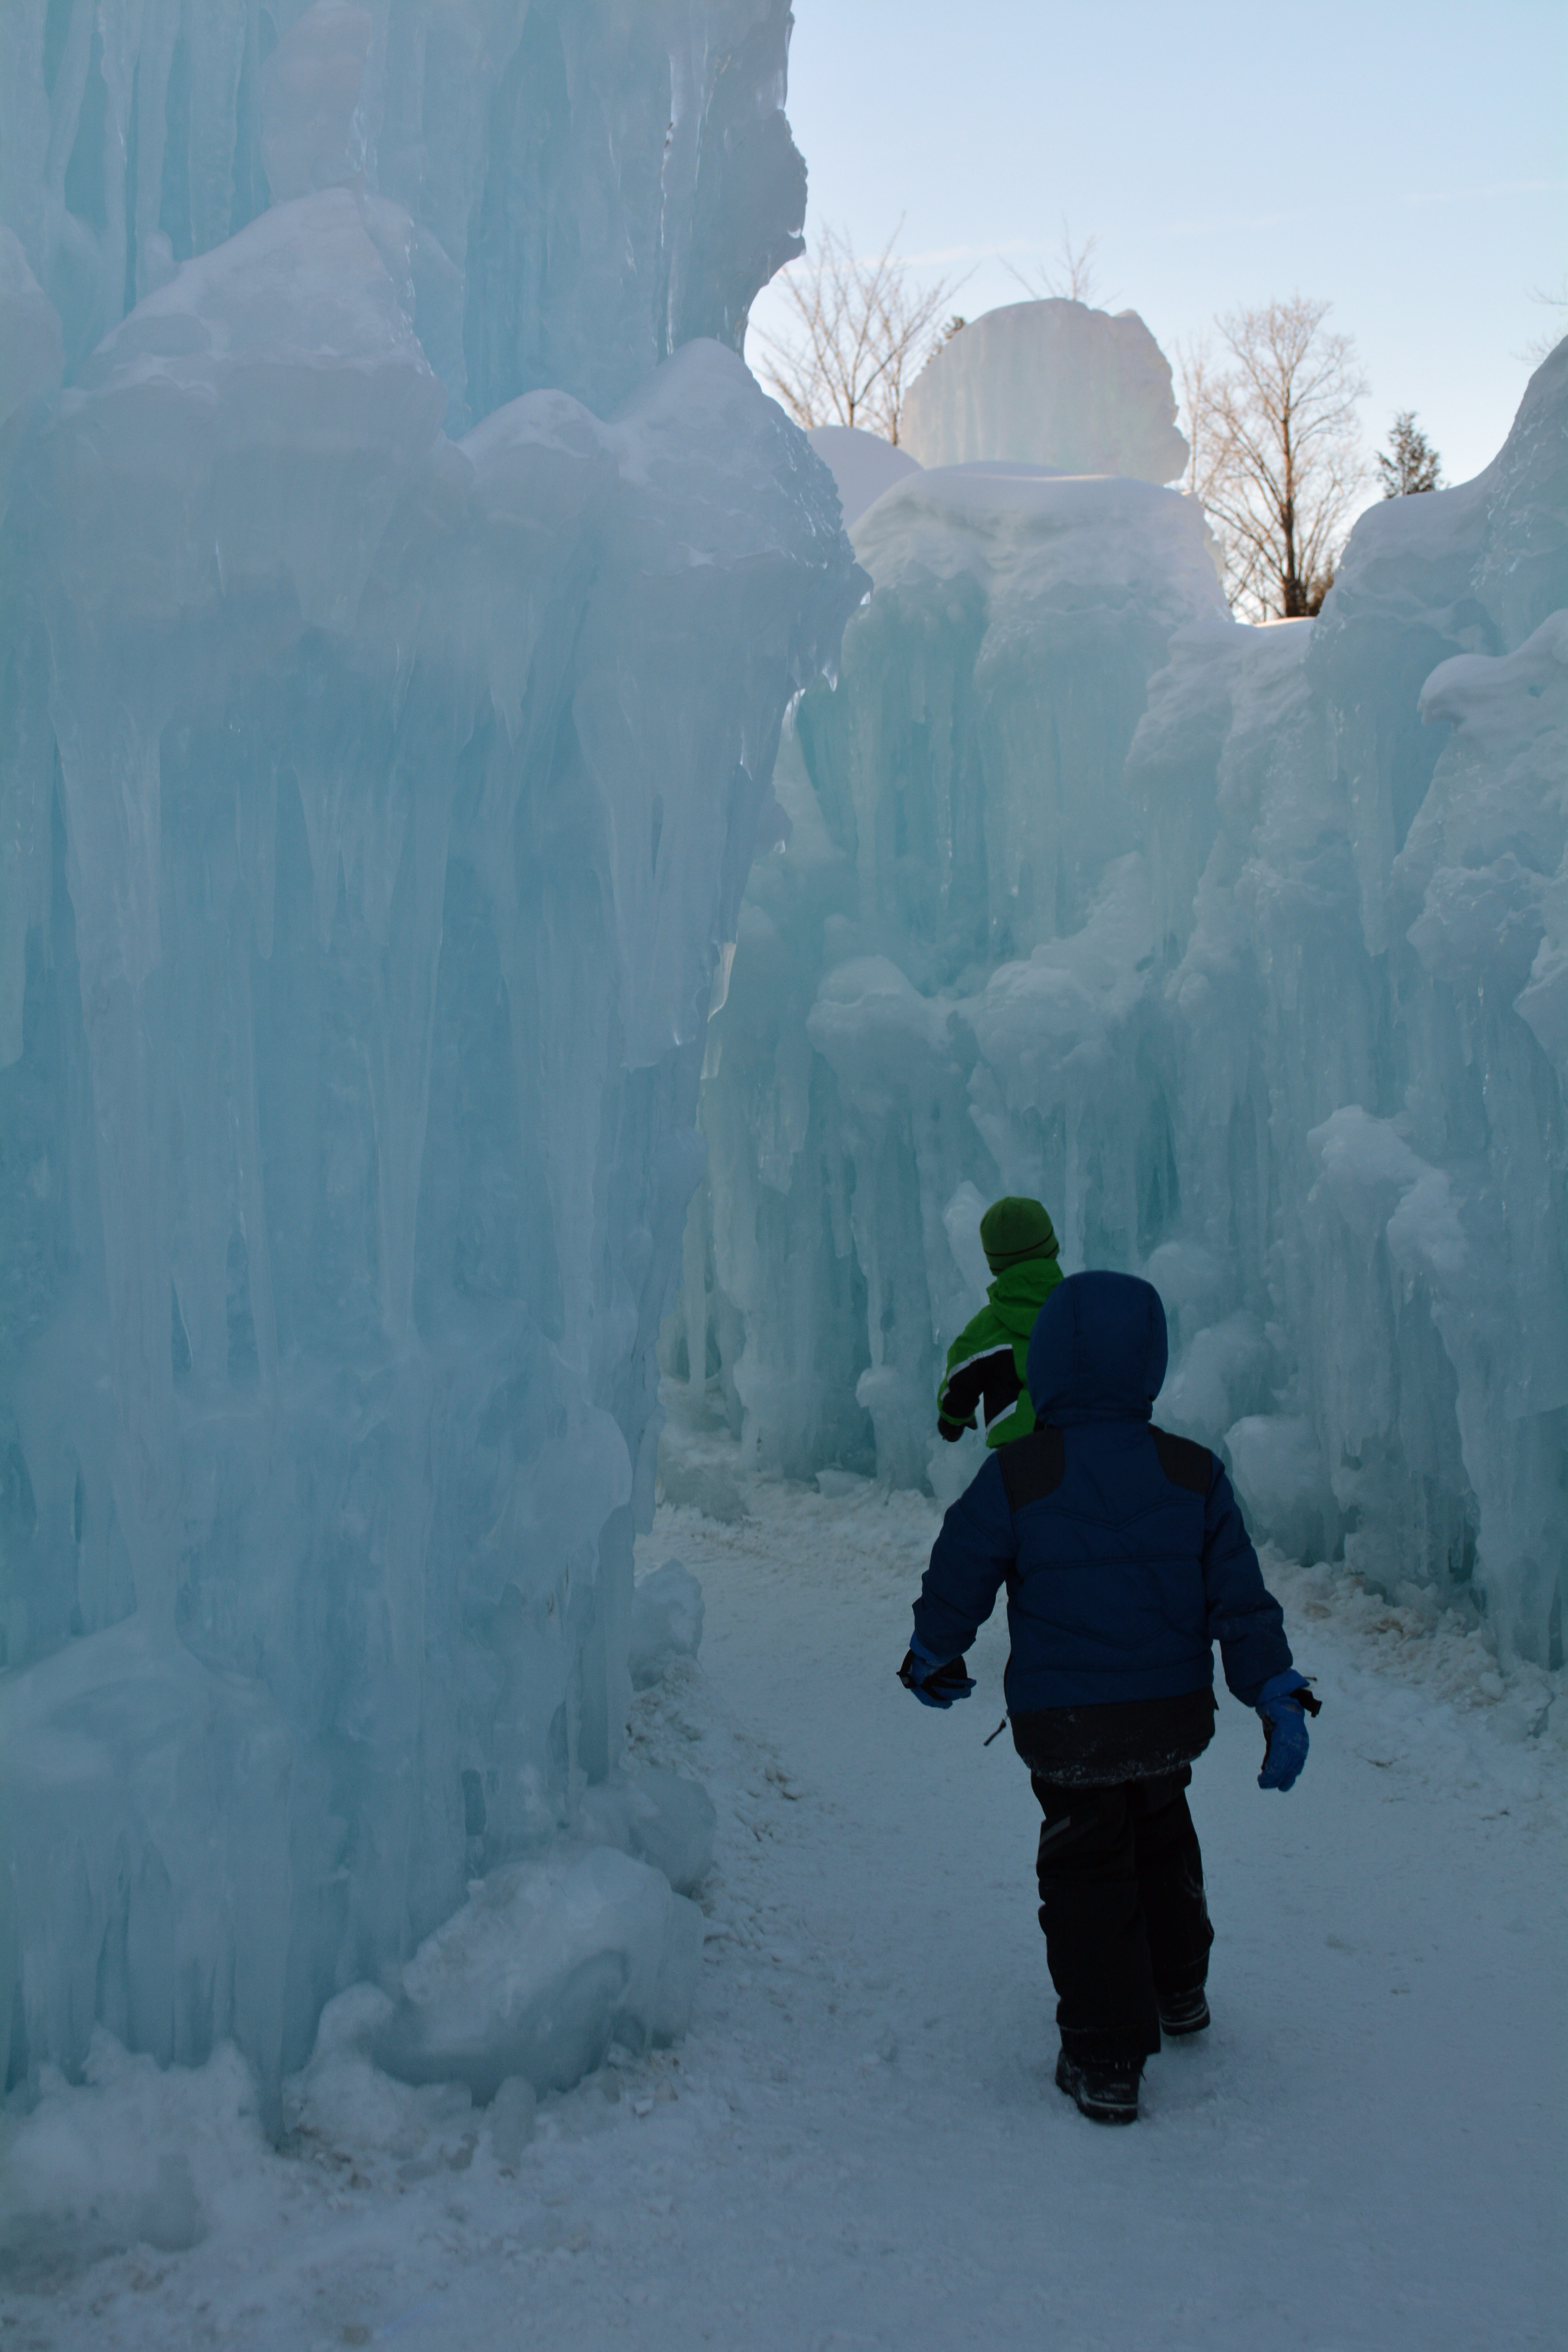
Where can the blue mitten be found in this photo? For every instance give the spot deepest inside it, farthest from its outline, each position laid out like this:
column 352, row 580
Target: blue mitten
column 1280, row 1704
column 935, row 1682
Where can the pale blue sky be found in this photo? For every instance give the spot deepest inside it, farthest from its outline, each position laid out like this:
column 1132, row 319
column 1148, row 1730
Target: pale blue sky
column 1410, row 162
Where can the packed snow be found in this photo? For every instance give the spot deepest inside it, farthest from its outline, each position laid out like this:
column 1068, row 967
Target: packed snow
column 859, row 2143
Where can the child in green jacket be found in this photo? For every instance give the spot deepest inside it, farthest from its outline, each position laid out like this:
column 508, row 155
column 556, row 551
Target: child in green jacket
column 985, row 1364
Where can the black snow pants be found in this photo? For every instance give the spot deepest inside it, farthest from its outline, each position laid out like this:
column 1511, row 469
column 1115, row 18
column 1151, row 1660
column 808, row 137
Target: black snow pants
column 1121, row 1903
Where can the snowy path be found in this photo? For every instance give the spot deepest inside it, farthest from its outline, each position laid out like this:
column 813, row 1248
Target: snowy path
column 859, row 2145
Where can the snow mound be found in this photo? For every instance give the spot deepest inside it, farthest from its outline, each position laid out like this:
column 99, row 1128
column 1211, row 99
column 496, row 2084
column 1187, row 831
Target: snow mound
column 135, row 2155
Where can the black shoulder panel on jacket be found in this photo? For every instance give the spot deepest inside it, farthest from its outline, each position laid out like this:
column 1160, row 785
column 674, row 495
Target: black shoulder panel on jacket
column 1032, row 1466
column 1184, row 1464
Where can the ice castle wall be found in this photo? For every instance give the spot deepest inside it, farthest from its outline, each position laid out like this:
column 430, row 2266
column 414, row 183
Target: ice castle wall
column 1054, row 384
column 1244, row 948
column 377, row 801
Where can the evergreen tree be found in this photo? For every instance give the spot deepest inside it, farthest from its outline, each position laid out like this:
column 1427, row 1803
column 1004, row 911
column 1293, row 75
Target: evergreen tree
column 1409, row 463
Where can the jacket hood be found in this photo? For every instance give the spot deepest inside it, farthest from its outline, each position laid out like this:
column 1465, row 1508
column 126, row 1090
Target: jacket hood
column 1099, row 1350
column 1018, row 1293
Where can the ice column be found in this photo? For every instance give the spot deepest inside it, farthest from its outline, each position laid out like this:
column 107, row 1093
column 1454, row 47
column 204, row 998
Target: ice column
column 379, row 798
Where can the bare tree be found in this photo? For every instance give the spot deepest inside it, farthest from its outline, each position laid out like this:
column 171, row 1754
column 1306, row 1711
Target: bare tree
column 1276, row 457
column 1541, row 345
column 861, row 332
column 1072, row 275
column 1195, row 378
column 1409, row 464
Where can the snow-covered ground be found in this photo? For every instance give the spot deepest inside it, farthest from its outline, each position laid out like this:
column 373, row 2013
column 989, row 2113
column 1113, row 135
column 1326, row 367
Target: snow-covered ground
column 859, row 2144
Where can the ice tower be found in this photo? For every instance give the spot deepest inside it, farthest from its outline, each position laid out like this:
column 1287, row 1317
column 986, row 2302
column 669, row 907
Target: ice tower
column 1246, row 948
column 403, row 584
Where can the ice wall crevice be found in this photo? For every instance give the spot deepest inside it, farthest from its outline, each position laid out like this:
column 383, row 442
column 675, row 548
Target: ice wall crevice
column 1244, row 948
column 379, row 807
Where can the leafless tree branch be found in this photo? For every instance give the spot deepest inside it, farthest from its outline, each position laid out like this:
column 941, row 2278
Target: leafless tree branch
column 861, row 332
column 1541, row 345
column 1072, row 275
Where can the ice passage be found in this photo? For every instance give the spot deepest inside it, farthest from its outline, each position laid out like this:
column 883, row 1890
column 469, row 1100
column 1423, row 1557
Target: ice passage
column 402, row 602
column 405, row 585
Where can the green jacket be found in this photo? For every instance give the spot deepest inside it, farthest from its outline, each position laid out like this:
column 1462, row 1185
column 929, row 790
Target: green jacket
column 986, row 1364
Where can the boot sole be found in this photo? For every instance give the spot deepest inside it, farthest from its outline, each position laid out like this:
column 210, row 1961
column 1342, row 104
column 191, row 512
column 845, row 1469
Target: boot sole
column 1177, row 2032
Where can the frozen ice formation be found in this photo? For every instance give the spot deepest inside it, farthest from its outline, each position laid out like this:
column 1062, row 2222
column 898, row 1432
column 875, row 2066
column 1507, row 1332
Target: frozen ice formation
column 862, row 463
column 378, row 788
column 1246, row 949
column 583, row 185
column 1050, row 384
column 656, row 1817
column 544, row 1967
column 667, row 1622
column 134, row 2153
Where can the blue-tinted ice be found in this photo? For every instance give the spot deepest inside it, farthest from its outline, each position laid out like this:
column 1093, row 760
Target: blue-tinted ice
column 401, row 603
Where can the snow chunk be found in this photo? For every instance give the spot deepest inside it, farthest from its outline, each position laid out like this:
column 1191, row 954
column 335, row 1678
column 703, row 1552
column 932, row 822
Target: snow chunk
column 875, row 1028
column 544, row 1967
column 136, row 2155
column 1222, row 1367
column 1277, row 1466
column 659, row 1817
column 1375, row 1179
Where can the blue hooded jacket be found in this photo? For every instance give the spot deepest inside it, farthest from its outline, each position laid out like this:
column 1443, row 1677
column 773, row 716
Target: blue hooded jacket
column 1123, row 1552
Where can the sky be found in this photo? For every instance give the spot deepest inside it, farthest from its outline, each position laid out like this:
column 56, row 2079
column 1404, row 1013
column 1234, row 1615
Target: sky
column 1408, row 164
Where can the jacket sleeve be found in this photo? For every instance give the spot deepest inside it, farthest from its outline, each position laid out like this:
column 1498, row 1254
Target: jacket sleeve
column 969, row 1564
column 1243, row 1617
column 953, row 1416
column 981, row 1375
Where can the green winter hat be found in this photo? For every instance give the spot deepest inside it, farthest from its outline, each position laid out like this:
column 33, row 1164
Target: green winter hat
column 1014, row 1229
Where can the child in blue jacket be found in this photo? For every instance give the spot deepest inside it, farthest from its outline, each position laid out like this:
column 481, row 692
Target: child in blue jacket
column 1125, row 1560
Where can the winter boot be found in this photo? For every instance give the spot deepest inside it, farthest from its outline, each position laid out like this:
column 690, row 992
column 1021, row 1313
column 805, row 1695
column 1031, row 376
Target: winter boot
column 1183, row 2012
column 1106, row 2090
